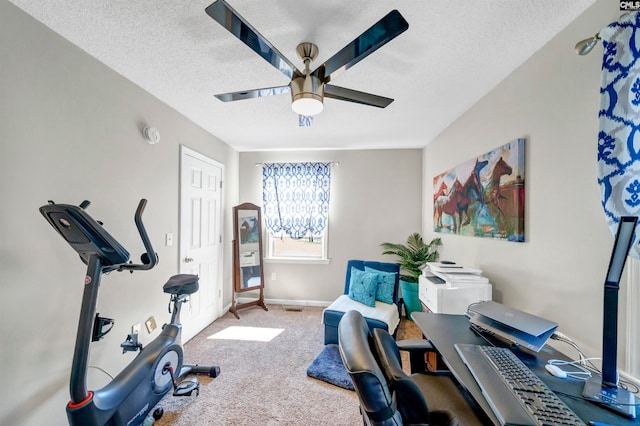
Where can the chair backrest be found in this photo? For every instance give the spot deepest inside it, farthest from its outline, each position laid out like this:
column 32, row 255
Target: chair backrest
column 412, row 404
column 376, row 401
column 380, row 266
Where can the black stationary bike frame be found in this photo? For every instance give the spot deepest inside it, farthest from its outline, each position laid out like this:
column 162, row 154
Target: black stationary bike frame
column 129, row 397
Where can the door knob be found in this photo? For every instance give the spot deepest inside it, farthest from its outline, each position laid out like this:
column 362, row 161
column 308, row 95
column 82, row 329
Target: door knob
column 188, row 260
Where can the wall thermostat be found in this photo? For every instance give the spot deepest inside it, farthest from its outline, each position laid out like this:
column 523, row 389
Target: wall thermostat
column 151, row 135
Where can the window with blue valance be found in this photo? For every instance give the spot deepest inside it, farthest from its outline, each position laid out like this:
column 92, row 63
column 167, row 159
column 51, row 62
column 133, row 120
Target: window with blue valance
column 296, row 198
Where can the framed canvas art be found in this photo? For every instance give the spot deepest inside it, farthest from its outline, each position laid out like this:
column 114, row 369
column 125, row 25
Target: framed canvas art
column 483, row 197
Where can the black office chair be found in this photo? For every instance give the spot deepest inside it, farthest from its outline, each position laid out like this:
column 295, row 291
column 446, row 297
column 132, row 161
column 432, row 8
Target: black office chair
column 418, row 392
column 378, row 404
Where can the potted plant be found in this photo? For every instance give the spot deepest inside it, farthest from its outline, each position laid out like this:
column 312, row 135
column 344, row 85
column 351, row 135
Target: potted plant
column 412, row 258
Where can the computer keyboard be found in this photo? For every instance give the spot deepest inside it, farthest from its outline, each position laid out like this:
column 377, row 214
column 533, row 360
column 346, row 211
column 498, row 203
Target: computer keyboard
column 532, row 395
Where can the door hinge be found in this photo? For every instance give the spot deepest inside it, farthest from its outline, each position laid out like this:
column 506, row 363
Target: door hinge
column 220, row 239
column 221, row 184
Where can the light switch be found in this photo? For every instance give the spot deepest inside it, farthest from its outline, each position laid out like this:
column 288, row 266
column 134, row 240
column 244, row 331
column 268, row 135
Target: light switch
column 168, row 239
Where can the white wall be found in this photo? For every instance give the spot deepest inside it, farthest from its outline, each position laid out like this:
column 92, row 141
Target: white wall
column 552, row 101
column 70, row 129
column 375, row 197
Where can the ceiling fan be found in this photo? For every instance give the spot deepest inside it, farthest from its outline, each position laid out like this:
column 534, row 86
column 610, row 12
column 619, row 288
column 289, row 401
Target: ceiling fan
column 309, row 88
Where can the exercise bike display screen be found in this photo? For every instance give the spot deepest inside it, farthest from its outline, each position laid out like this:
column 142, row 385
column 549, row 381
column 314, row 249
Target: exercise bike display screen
column 84, row 234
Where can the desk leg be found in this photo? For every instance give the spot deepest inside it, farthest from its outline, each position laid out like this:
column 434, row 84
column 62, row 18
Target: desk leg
column 435, row 364
column 417, row 362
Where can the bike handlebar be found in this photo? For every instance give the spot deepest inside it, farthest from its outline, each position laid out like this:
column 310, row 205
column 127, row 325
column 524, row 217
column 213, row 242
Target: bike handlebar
column 151, row 254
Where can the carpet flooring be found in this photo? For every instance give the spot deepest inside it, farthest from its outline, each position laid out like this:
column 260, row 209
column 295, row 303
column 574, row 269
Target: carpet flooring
column 265, row 382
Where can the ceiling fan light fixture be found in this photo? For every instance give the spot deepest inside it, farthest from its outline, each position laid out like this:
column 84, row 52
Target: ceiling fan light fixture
column 307, row 87
column 307, row 93
column 307, row 106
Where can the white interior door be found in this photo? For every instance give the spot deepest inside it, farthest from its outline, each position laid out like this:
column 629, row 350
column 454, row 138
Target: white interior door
column 201, row 238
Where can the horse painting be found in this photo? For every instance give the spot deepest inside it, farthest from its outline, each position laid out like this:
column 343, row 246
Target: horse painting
column 483, row 196
column 439, row 193
column 449, row 204
column 493, row 192
column 471, row 191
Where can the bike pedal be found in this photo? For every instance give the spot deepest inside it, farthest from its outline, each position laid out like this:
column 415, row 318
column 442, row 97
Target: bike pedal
column 187, row 387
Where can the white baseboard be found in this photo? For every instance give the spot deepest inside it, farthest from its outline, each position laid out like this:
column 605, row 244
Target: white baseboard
column 284, row 302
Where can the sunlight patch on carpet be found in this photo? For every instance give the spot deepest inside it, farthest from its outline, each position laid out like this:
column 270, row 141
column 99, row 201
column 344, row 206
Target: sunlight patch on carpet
column 259, row 334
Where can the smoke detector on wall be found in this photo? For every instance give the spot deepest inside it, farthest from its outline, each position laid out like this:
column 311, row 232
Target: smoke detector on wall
column 151, row 135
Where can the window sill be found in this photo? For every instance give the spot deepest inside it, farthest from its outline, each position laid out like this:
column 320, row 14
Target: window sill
column 297, row 260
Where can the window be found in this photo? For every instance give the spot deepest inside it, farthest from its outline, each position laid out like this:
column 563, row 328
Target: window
column 282, row 246
column 296, row 210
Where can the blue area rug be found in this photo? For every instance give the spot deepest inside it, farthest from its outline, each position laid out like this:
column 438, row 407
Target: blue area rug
column 329, row 368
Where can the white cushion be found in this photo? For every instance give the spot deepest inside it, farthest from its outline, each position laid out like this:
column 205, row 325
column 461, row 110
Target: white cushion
column 383, row 311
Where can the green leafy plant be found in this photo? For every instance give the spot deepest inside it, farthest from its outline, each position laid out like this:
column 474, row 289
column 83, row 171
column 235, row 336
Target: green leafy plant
column 413, row 256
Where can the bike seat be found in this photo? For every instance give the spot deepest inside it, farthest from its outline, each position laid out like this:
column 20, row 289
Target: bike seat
column 181, row 284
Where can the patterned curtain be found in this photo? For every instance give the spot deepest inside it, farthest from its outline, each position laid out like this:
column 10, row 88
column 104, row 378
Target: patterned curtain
column 619, row 133
column 296, row 197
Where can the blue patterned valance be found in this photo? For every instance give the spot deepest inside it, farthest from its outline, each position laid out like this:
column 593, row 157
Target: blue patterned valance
column 296, row 197
column 619, row 133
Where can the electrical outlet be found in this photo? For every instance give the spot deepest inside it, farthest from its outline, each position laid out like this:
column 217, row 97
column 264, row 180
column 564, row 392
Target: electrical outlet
column 135, row 328
column 150, row 324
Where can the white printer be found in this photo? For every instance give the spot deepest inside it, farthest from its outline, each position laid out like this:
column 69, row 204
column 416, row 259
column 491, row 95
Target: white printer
column 449, row 288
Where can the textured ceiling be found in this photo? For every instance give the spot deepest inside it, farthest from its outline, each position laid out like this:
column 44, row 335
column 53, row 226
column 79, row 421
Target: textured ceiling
column 452, row 54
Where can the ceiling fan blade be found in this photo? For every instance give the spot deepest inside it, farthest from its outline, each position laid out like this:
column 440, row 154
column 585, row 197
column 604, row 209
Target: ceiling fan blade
column 256, row 93
column 382, row 32
column 226, row 16
column 350, row 95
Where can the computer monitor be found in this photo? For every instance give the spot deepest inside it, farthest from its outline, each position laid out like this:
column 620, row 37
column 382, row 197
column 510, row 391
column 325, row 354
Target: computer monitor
column 605, row 390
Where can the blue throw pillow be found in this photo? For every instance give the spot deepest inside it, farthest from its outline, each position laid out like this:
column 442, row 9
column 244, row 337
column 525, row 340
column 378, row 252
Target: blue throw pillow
column 386, row 285
column 362, row 286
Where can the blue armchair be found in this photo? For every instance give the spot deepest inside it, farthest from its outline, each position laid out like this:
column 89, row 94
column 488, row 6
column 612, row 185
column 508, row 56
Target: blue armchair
column 382, row 315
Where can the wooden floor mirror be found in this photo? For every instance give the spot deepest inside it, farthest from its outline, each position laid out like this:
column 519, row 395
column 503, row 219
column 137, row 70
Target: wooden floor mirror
column 248, row 272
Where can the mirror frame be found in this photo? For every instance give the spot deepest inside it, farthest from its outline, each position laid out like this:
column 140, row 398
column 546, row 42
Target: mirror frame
column 252, row 255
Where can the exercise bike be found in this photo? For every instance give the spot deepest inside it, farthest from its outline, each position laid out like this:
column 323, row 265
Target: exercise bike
column 158, row 367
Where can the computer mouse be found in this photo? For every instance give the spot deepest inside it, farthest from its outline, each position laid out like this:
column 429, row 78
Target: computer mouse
column 554, row 370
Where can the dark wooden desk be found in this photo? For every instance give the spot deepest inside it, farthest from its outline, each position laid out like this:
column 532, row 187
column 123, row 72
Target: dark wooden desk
column 444, row 330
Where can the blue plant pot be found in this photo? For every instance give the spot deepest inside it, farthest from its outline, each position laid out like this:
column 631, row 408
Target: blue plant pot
column 410, row 296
